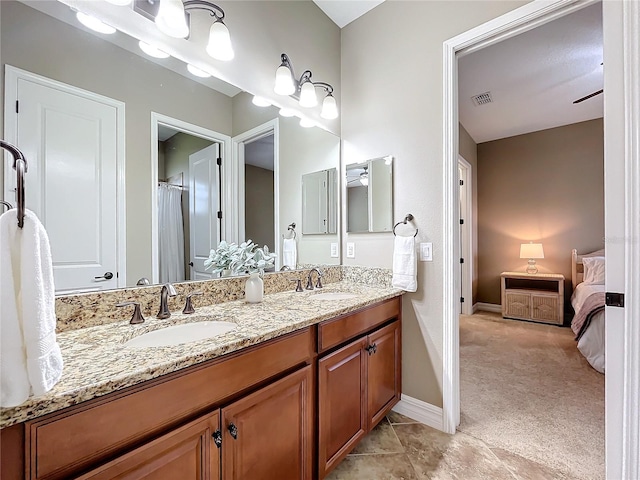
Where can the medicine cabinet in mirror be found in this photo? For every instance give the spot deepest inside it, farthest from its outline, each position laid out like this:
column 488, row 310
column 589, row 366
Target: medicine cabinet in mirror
column 320, row 202
column 370, row 196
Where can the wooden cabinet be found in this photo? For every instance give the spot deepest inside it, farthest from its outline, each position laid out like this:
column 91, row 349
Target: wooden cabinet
column 269, row 434
column 358, row 384
column 538, row 297
column 187, row 453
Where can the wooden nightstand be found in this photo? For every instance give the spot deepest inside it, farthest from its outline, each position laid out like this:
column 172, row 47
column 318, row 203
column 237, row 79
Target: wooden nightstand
column 538, row 297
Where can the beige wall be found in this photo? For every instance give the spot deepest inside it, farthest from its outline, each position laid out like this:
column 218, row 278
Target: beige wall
column 546, row 187
column 392, row 104
column 469, row 151
column 258, row 194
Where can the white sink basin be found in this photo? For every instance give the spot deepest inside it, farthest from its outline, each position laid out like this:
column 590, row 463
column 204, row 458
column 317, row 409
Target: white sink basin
column 333, row 296
column 177, row 334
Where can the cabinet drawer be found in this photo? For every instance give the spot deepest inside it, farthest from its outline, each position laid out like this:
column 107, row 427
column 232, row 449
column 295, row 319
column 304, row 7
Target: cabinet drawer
column 517, row 305
column 67, row 442
column 545, row 308
column 341, row 329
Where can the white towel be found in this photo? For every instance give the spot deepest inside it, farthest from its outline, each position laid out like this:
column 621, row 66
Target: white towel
column 405, row 266
column 30, row 357
column 289, row 253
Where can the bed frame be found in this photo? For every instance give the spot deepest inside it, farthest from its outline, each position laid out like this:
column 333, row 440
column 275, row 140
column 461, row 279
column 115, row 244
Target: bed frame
column 577, row 268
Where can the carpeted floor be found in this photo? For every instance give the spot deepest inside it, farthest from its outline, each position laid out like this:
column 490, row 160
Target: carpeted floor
column 526, row 389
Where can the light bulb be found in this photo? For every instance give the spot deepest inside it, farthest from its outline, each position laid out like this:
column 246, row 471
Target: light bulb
column 171, row 19
column 306, row 123
column 308, row 96
column 329, row 108
column 364, row 179
column 197, row 72
column 152, row 51
column 287, row 112
column 260, row 102
column 94, row 24
column 219, row 46
column 120, row 3
column 284, row 81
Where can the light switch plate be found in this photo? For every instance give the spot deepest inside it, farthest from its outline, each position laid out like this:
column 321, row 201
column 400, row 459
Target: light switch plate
column 351, row 250
column 426, row 252
column 335, row 253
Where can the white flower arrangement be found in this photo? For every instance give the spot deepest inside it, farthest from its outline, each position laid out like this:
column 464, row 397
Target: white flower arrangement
column 243, row 258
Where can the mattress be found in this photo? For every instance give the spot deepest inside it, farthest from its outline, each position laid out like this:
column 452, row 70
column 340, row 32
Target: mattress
column 591, row 343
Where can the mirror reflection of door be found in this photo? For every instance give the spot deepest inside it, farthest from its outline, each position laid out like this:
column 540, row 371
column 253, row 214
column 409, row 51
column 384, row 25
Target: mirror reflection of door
column 188, row 200
column 259, row 224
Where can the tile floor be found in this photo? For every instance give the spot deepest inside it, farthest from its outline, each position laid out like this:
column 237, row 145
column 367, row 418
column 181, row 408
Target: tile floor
column 401, row 449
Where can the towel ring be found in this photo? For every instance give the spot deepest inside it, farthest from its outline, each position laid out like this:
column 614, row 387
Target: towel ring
column 291, row 228
column 20, row 166
column 6, row 204
column 407, row 218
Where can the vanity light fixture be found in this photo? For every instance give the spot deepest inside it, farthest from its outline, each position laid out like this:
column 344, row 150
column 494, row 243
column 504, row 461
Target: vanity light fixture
column 260, row 101
column 304, row 89
column 94, row 24
column 172, row 20
column 197, row 72
column 152, row 51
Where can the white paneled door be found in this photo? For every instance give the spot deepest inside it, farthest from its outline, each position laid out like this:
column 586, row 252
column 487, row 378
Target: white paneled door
column 70, row 139
column 204, row 224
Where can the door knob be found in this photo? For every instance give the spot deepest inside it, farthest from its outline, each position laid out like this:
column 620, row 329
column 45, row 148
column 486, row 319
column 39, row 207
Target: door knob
column 106, row 276
column 191, row 264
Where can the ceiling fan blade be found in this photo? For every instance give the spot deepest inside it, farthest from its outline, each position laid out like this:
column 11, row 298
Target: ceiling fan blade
column 589, row 96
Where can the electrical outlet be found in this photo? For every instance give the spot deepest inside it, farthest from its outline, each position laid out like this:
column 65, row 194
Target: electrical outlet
column 351, row 250
column 335, row 253
column 426, row 252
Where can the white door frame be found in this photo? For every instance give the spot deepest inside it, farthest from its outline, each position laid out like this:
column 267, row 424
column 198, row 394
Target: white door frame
column 466, row 283
column 235, row 177
column 12, row 75
column 622, row 127
column 191, row 129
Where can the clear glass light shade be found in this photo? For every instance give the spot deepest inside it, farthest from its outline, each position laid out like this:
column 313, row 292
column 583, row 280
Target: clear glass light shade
column 284, row 81
column 308, row 97
column 219, row 46
column 197, row 72
column 287, row 112
column 152, row 51
column 329, row 108
column 94, row 24
column 260, row 102
column 306, row 123
column 171, row 19
column 121, row 3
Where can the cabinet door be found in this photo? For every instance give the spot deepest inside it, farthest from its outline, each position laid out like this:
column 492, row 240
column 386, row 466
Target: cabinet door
column 342, row 418
column 518, row 305
column 268, row 434
column 187, row 453
column 383, row 372
column 544, row 308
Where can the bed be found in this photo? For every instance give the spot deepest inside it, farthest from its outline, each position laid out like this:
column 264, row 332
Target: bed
column 587, row 299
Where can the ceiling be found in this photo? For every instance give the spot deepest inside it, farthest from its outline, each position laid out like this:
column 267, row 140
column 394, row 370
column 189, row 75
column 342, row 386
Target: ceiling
column 534, row 77
column 343, row 12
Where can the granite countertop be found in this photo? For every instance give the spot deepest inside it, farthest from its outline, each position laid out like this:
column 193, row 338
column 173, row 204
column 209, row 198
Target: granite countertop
column 97, row 363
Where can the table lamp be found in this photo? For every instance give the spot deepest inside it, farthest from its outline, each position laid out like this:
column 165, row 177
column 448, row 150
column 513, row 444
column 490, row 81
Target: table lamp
column 531, row 251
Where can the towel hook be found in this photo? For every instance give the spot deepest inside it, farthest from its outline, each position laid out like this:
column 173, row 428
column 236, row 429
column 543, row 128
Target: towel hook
column 20, row 166
column 407, row 218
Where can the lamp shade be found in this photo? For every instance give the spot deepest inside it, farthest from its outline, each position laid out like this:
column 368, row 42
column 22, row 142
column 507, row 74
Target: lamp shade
column 219, row 46
column 329, row 108
column 531, row 250
column 284, row 81
column 308, row 97
column 171, row 19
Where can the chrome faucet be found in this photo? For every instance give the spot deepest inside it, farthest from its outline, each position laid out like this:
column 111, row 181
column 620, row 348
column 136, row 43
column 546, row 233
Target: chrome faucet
column 168, row 290
column 310, row 283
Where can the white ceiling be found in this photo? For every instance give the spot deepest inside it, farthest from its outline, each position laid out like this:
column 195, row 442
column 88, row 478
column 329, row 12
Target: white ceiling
column 343, row 12
column 534, row 78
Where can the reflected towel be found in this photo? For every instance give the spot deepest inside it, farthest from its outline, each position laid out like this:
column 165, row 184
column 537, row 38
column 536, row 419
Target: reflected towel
column 289, row 253
column 405, row 266
column 30, row 357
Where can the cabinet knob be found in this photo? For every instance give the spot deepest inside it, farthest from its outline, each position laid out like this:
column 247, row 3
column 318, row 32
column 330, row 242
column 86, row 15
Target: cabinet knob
column 371, row 349
column 233, row 430
column 217, row 438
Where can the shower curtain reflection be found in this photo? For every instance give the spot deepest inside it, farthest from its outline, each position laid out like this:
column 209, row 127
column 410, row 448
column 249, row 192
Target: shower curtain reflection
column 170, row 233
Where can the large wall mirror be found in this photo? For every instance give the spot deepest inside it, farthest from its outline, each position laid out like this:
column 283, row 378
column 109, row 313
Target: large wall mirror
column 170, row 129
column 370, row 196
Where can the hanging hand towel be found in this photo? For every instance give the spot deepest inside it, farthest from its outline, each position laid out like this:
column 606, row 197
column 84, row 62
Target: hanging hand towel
column 289, row 253
column 405, row 265
column 30, row 358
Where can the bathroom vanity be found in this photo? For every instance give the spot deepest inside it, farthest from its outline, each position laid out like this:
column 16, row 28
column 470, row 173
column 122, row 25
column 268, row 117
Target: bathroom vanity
column 287, row 401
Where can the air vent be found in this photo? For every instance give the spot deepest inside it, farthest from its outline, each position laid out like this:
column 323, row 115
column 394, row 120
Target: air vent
column 482, row 99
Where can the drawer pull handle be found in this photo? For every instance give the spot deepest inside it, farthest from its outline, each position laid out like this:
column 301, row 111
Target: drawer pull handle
column 371, row 349
column 233, row 430
column 217, row 438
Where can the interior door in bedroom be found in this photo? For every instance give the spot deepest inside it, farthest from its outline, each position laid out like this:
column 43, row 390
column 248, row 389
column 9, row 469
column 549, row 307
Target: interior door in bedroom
column 71, row 139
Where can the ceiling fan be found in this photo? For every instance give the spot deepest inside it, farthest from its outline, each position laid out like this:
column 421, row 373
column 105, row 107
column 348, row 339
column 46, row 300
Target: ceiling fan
column 354, row 175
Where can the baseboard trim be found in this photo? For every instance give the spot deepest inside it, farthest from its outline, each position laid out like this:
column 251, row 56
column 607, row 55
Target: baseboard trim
column 421, row 411
column 487, row 307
